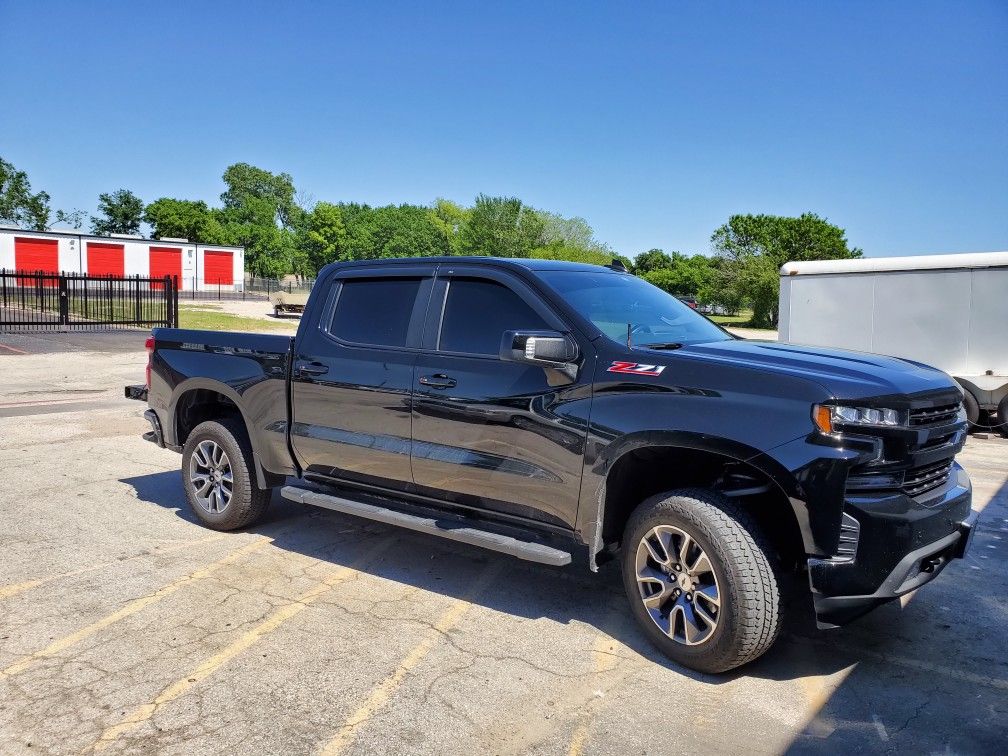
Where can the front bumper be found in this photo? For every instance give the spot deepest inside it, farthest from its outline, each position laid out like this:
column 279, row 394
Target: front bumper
column 903, row 544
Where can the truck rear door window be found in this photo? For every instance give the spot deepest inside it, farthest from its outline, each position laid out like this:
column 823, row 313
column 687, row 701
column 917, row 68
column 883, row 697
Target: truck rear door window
column 476, row 314
column 374, row 311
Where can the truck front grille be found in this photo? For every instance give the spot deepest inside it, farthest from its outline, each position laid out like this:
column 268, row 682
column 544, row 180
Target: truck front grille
column 946, row 413
column 926, row 477
column 912, row 482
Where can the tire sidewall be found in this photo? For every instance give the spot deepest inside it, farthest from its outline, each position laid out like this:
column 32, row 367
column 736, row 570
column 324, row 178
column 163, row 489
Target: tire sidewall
column 241, row 495
column 675, row 510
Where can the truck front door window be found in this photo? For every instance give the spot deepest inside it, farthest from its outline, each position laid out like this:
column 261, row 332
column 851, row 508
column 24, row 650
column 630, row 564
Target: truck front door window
column 478, row 312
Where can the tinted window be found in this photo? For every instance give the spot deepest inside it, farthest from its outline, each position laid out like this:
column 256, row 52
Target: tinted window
column 478, row 312
column 375, row 310
column 612, row 301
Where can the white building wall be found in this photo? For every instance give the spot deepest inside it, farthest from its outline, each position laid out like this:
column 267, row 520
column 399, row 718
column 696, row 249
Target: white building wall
column 6, row 250
column 72, row 252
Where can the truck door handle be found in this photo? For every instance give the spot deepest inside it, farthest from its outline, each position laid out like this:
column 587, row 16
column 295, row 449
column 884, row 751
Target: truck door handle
column 438, row 381
column 312, row 368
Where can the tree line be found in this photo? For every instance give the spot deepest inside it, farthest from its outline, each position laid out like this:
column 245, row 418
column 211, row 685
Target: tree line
column 287, row 232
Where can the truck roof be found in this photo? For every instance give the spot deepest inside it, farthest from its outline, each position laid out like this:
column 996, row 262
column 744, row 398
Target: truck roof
column 500, row 262
column 880, row 264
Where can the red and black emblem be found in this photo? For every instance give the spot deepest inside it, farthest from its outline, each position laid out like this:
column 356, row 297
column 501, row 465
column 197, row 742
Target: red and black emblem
column 637, row 368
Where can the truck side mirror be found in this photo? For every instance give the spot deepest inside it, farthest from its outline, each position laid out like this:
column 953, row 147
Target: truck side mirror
column 548, row 349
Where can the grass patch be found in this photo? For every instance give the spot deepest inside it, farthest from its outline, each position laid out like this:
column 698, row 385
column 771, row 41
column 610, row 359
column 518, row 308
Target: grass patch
column 741, row 320
column 215, row 320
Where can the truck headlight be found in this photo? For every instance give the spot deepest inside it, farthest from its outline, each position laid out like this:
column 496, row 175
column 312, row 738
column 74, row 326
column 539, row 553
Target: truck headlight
column 827, row 416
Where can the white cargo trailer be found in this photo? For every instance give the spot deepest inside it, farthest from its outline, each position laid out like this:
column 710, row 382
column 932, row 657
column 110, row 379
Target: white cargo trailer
column 950, row 311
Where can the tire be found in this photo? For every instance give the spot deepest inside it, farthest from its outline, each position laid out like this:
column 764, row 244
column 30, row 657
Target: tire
column 972, row 409
column 747, row 613
column 247, row 501
column 1002, row 416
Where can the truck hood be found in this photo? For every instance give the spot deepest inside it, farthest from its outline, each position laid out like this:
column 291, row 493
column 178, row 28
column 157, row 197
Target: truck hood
column 844, row 374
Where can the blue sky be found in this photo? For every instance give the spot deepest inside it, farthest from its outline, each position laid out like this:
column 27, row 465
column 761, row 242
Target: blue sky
column 653, row 121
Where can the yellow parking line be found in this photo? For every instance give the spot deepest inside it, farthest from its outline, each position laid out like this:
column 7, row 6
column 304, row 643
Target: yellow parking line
column 381, row 693
column 13, row 590
column 6, row 591
column 58, row 646
column 247, row 639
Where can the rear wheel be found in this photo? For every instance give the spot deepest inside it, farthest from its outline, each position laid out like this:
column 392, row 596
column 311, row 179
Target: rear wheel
column 699, row 579
column 217, row 476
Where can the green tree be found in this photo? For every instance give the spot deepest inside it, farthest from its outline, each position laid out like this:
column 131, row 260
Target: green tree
column 392, row 231
column 501, row 227
column 73, row 218
column 120, row 212
column 184, row 219
column 559, row 251
column 248, row 184
column 568, row 232
column 260, row 214
column 19, row 206
column 683, row 276
column 323, row 238
column 450, row 218
column 754, row 248
column 653, row 259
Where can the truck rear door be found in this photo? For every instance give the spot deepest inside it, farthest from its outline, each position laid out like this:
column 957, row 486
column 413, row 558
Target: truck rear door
column 353, row 373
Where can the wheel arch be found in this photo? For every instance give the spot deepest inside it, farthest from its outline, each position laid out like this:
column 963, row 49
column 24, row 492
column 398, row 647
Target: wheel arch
column 643, row 464
column 197, row 400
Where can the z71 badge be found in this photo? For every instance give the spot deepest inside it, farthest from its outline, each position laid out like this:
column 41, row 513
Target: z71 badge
column 636, row 368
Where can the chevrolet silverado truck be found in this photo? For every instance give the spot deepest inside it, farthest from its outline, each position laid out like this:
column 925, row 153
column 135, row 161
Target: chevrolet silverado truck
column 553, row 410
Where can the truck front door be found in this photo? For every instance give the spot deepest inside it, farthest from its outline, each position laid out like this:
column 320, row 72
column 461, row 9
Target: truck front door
column 488, row 433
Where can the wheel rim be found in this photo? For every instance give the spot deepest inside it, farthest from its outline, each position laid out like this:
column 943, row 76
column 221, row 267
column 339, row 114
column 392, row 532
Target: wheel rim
column 677, row 585
column 211, row 477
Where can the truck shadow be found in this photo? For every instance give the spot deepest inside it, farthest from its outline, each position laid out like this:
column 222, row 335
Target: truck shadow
column 532, row 591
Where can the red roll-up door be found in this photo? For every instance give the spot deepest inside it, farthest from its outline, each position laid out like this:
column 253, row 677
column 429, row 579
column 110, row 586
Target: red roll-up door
column 106, row 259
column 36, row 255
column 165, row 261
column 218, row 267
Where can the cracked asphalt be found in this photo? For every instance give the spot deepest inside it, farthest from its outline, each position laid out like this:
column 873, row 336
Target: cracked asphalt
column 126, row 627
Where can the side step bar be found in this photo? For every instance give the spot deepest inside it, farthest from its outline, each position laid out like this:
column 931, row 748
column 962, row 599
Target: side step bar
column 532, row 552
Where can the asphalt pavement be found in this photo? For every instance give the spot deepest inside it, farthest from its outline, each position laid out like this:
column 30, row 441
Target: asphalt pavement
column 125, row 626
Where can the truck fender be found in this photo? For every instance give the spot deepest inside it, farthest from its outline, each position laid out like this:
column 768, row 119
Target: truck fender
column 209, row 384
column 733, row 451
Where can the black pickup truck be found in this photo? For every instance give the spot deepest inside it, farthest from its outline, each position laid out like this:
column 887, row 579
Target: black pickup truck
column 548, row 410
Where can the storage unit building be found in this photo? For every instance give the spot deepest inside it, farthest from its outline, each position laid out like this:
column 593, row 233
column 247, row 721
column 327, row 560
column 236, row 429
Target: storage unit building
column 198, row 267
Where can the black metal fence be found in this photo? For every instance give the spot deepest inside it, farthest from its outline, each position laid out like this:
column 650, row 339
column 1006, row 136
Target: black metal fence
column 252, row 288
column 65, row 301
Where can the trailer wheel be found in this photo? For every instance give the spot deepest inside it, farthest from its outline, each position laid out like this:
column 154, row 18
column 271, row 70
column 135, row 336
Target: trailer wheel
column 218, row 477
column 972, row 408
column 1002, row 416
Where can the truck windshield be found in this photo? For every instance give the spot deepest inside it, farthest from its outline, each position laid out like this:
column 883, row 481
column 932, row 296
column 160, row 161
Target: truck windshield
column 612, row 301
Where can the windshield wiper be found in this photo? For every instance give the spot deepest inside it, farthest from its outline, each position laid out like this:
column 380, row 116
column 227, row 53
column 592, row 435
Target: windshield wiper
column 662, row 345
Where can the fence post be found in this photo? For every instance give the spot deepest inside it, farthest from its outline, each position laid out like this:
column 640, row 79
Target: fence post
column 218, row 289
column 171, row 297
column 64, row 300
column 136, row 299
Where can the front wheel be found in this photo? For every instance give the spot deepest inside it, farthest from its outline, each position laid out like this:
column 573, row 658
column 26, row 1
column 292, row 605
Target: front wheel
column 218, row 477
column 700, row 580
